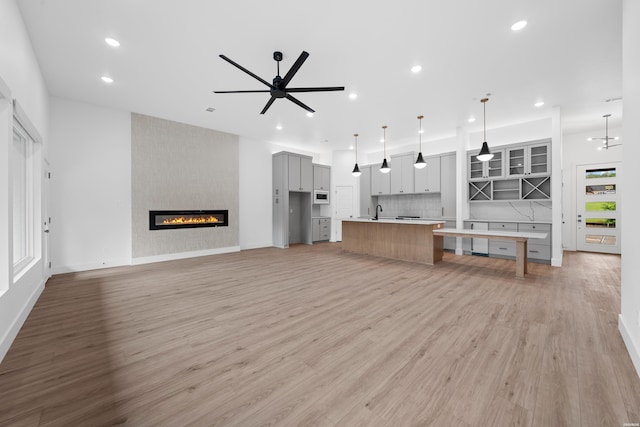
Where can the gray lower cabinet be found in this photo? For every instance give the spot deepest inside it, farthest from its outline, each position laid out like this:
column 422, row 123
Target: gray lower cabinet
column 321, row 229
column 538, row 249
column 502, row 248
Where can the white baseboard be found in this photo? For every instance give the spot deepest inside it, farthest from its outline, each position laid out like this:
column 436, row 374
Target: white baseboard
column 632, row 347
column 256, row 246
column 183, row 255
column 90, row 266
column 12, row 331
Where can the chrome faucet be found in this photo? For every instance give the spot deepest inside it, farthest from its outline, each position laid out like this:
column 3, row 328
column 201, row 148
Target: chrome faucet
column 378, row 206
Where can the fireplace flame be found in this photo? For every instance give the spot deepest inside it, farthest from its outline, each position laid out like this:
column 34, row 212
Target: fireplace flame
column 190, row 220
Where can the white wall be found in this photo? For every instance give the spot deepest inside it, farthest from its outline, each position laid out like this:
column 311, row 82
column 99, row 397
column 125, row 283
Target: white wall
column 579, row 151
column 21, row 75
column 629, row 321
column 90, row 186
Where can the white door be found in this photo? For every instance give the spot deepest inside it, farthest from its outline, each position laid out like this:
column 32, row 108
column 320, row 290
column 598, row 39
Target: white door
column 344, row 208
column 598, row 208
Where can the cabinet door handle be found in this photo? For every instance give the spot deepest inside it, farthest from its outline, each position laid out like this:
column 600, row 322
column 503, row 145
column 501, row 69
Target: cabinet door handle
column 535, row 252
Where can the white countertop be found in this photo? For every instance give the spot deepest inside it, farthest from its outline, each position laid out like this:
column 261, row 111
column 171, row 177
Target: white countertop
column 395, row 221
column 513, row 221
column 496, row 233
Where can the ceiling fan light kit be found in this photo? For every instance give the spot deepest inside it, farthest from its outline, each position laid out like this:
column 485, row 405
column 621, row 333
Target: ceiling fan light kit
column 278, row 88
column 606, row 138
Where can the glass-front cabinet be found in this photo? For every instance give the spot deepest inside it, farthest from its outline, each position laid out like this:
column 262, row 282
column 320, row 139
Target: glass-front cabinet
column 479, row 170
column 530, row 160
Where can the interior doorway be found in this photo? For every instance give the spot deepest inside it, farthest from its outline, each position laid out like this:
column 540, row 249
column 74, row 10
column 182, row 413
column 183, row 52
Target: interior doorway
column 344, row 208
column 598, row 208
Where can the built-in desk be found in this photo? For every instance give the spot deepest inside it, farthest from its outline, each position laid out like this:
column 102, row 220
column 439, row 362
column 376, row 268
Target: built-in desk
column 408, row 240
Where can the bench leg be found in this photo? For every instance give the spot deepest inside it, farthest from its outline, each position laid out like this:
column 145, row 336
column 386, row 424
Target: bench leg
column 521, row 258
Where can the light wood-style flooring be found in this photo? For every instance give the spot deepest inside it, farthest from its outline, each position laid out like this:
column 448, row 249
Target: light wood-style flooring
column 312, row 336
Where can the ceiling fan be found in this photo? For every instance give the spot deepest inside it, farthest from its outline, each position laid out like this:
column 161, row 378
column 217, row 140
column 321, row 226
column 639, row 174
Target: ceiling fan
column 279, row 89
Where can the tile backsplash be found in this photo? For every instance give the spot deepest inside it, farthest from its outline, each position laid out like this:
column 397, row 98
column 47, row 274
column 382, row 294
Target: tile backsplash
column 421, row 205
column 518, row 210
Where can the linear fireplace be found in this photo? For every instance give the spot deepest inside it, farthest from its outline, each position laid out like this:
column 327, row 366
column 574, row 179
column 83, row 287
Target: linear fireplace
column 163, row 220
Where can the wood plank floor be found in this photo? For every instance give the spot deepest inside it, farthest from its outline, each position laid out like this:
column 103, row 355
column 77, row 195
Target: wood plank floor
column 312, row 336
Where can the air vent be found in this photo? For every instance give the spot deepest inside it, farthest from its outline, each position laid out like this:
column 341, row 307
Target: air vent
column 211, row 109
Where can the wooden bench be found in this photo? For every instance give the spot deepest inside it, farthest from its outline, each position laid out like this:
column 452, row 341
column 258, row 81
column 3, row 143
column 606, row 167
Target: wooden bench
column 520, row 239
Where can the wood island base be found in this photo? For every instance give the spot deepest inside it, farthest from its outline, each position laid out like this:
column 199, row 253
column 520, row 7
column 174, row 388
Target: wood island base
column 404, row 240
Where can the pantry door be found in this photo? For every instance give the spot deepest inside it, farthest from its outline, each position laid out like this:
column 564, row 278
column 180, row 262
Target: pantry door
column 598, row 208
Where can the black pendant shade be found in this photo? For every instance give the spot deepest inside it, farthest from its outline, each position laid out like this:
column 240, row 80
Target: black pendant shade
column 484, row 154
column 356, row 171
column 420, row 163
column 385, row 166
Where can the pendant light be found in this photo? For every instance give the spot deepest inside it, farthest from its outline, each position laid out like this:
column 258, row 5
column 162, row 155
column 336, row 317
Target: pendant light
column 420, row 163
column 485, row 155
column 356, row 169
column 606, row 138
column 385, row 166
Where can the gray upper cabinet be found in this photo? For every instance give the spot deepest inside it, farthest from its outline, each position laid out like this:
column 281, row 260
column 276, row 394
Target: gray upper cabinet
column 492, row 169
column 366, row 203
column 448, row 185
column 300, row 173
column 427, row 179
column 529, row 160
column 380, row 182
column 402, row 179
column 321, row 177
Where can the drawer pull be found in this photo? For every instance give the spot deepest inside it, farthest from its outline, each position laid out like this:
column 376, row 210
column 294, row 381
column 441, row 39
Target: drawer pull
column 503, row 249
column 535, row 252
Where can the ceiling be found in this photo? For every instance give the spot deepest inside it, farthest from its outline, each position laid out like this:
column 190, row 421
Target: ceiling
column 569, row 55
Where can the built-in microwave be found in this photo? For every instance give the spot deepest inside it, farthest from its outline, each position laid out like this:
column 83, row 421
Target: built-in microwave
column 321, row 197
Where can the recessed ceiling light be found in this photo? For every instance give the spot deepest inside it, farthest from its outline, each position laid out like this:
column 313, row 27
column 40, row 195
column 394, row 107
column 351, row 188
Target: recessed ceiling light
column 112, row 42
column 539, row 104
column 309, row 114
column 381, row 140
column 589, row 139
column 353, row 95
column 518, row 25
column 107, row 79
column 416, row 69
column 471, row 119
column 279, row 127
column 351, row 147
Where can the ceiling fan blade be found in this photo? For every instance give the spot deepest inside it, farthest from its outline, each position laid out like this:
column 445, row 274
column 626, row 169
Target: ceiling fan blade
column 295, row 101
column 241, row 91
column 269, row 102
column 245, row 70
column 315, row 89
column 294, row 68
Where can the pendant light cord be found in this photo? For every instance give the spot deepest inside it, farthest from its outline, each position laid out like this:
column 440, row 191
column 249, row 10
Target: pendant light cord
column 420, row 134
column 356, row 136
column 384, row 140
column 484, row 114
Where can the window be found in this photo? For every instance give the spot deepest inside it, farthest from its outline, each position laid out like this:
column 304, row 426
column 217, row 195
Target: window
column 23, row 198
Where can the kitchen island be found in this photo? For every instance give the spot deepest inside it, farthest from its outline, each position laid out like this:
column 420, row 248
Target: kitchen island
column 408, row 240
